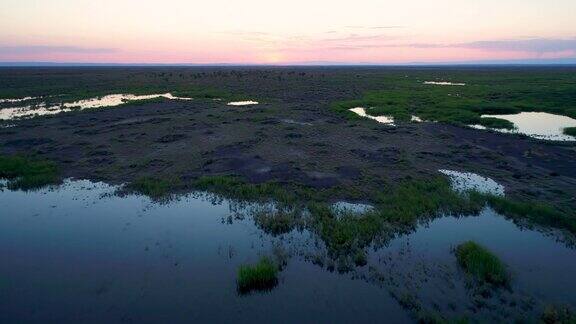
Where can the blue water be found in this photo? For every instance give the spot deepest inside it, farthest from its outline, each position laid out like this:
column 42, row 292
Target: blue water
column 80, row 253
column 423, row 263
column 70, row 255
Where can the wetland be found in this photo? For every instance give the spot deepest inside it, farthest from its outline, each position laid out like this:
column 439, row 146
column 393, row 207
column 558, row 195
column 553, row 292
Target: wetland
column 266, row 193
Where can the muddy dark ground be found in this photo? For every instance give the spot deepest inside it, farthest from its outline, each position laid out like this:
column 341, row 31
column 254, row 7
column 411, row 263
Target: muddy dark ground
column 292, row 136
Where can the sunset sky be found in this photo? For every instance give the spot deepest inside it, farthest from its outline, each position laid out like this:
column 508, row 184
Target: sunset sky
column 285, row 32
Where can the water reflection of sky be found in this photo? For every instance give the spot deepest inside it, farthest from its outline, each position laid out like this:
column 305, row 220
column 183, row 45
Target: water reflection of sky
column 42, row 109
column 243, row 103
column 539, row 265
column 540, row 125
column 80, row 252
column 381, row 119
column 70, row 255
column 444, row 83
column 467, row 181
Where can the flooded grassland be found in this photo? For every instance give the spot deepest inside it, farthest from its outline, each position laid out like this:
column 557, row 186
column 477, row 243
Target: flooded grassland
column 264, row 194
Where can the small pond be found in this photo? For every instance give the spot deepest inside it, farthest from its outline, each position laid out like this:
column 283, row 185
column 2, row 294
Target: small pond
column 444, row 83
column 539, row 125
column 42, row 109
column 381, row 119
column 243, row 103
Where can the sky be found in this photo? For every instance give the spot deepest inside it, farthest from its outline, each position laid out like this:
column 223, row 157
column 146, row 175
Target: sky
column 286, row 32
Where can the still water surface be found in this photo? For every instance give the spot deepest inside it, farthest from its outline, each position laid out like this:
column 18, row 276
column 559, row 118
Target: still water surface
column 42, row 109
column 539, row 125
column 79, row 252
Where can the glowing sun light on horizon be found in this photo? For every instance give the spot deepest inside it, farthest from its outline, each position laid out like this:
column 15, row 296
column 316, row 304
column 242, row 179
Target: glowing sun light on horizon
column 274, row 57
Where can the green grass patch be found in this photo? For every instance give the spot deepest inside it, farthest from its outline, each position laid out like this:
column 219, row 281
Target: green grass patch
column 360, row 258
column 404, row 206
column 481, row 264
column 398, row 208
column 153, row 187
column 236, row 188
column 201, row 93
column 496, row 93
column 427, row 317
column 570, row 131
column 27, row 173
column 558, row 314
column 260, row 276
column 536, row 212
column 276, row 222
column 413, row 199
column 143, row 102
column 286, row 194
column 498, row 123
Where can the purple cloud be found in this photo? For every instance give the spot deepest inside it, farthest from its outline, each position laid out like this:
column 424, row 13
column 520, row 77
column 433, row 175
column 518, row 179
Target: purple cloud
column 538, row 45
column 534, row 45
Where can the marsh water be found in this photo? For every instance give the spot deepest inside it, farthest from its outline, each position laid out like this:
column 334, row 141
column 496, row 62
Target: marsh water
column 24, row 109
column 243, row 103
column 30, row 107
column 77, row 253
column 539, row 125
column 466, row 181
column 80, row 252
column 360, row 111
column 444, row 83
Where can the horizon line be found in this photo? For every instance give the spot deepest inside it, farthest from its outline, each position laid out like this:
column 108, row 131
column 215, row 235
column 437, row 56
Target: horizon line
column 555, row 61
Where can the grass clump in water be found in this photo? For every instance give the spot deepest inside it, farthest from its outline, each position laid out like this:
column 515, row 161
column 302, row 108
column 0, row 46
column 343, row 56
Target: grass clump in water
column 234, row 187
column 427, row 317
column 560, row 314
column 481, row 264
column 536, row 212
column 135, row 103
column 360, row 258
column 276, row 222
column 398, row 208
column 570, row 131
column 260, row 276
column 27, row 173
